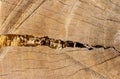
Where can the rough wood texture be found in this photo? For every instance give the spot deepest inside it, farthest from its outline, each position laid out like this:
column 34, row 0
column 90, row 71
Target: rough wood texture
column 94, row 22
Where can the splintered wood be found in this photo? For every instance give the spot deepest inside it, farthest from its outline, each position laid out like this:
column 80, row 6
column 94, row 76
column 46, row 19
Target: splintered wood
column 21, row 40
column 29, row 40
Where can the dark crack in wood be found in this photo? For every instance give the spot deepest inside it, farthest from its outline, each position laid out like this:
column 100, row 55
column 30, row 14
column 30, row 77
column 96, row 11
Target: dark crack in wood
column 33, row 41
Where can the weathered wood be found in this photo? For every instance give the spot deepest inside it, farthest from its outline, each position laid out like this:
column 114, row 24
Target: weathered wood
column 92, row 22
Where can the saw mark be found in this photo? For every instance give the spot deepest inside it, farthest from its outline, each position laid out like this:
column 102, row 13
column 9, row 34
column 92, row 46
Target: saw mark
column 30, row 14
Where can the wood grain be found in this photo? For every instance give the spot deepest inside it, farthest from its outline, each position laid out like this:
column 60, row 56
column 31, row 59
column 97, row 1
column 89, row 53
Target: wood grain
column 94, row 22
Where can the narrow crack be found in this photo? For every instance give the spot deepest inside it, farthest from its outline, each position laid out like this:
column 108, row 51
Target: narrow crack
column 3, row 75
column 62, row 2
column 86, row 68
column 33, row 41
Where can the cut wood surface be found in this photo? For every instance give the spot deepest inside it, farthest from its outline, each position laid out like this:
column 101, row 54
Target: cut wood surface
column 92, row 22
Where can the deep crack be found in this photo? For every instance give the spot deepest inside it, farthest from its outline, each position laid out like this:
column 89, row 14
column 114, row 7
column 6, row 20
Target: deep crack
column 32, row 41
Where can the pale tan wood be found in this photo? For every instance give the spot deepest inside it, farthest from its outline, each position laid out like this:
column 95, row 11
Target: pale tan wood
column 87, row 21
